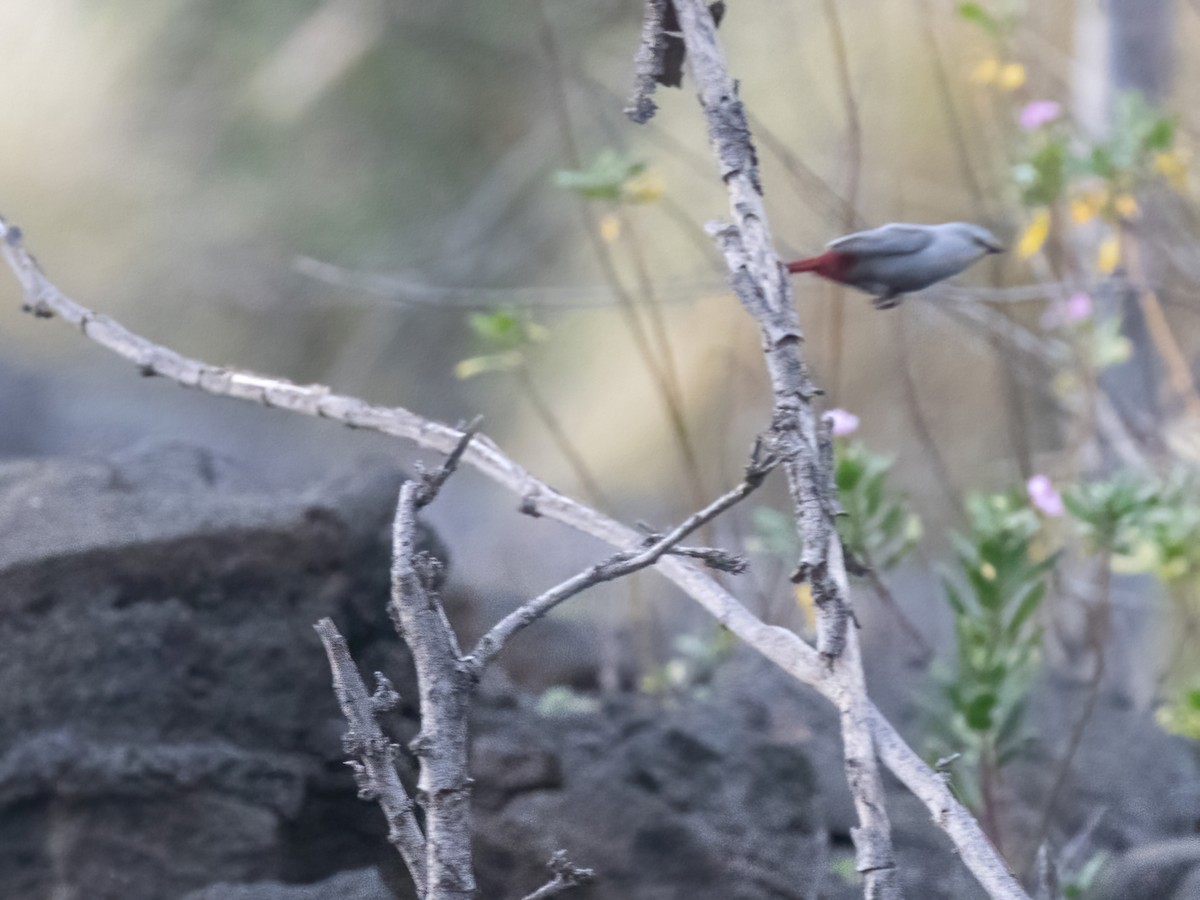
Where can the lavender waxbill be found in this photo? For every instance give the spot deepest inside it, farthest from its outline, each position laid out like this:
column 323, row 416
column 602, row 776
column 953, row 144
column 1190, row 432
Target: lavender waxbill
column 897, row 259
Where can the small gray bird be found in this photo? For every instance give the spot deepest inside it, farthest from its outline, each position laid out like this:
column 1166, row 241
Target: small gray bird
column 897, row 259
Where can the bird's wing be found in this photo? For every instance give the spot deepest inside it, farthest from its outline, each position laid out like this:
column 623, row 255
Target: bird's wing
column 886, row 240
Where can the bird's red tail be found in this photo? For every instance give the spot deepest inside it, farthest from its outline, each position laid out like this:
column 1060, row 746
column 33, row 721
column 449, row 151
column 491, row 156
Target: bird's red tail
column 812, row 264
column 830, row 264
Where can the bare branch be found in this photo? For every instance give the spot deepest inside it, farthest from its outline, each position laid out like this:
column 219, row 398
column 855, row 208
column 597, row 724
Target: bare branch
column 660, row 56
column 931, row 788
column 624, row 563
column 375, row 771
column 803, row 443
column 715, row 558
column 781, row 646
column 445, row 690
column 566, row 876
column 649, row 63
column 431, row 482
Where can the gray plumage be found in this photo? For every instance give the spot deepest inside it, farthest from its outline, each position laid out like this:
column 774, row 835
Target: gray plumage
column 897, row 259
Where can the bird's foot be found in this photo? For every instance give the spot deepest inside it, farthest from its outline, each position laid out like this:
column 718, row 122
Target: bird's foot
column 887, row 301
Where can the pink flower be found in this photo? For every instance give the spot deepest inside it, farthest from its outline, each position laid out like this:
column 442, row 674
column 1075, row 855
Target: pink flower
column 843, row 422
column 1039, row 113
column 1077, row 308
column 1044, row 496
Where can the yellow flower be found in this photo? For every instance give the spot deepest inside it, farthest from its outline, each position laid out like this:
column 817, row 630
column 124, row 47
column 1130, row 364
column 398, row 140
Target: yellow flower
column 1126, row 206
column 1011, row 76
column 1086, row 207
column 1173, row 166
column 1109, row 256
column 646, row 187
column 987, row 71
column 610, row 228
column 1035, row 234
column 988, row 571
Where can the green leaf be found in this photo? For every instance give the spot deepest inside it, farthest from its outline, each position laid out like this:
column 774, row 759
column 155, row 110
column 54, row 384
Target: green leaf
column 1044, row 175
column 978, row 713
column 1161, row 134
column 849, row 472
column 976, row 14
column 603, row 179
column 1101, row 163
column 494, row 362
column 499, row 326
column 878, row 526
column 506, row 329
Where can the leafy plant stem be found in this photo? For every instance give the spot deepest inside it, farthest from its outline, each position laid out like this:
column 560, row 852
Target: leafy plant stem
column 988, row 776
column 558, row 434
column 1099, row 620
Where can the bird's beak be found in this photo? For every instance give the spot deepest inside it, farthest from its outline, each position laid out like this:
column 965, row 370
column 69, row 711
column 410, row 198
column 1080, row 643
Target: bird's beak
column 994, row 247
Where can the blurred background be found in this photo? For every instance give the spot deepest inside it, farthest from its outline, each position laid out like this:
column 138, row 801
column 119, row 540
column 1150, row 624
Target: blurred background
column 442, row 206
column 388, row 197
column 327, row 191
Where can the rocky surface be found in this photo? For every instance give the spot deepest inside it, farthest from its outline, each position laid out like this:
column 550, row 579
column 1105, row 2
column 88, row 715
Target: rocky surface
column 167, row 717
column 167, row 728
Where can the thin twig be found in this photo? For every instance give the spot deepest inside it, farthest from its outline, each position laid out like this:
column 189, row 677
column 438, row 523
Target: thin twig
column 375, row 771
column 672, row 403
column 783, row 647
column 837, row 312
column 617, row 566
column 666, row 353
column 432, row 482
column 566, row 876
column 957, row 132
column 809, row 185
column 549, row 419
column 715, row 558
column 884, row 593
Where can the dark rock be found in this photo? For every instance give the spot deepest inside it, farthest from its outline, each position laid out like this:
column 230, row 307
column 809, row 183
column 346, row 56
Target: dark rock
column 361, row 884
column 168, row 727
column 505, row 764
column 1122, row 793
column 1152, row 871
column 1189, row 888
column 167, row 717
column 664, row 799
